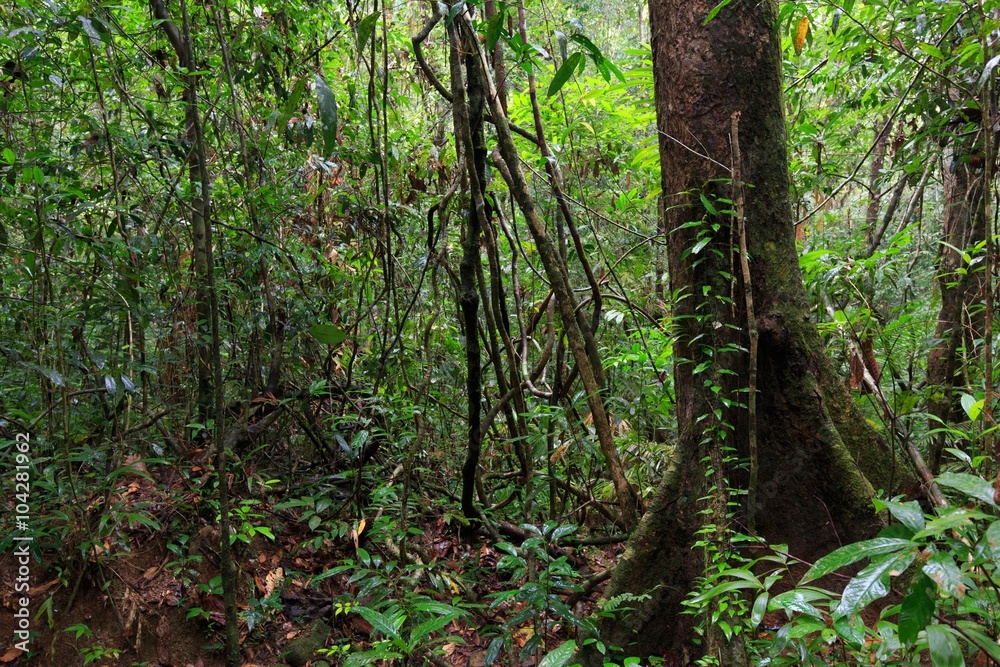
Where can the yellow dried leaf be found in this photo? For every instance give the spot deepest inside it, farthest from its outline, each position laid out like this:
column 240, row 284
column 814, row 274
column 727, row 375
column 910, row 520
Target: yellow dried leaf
column 558, row 453
column 801, row 32
column 361, row 526
column 272, row 580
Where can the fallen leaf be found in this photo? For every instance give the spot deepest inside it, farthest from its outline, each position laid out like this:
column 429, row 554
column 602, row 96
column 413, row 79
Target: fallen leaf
column 41, row 588
column 11, row 655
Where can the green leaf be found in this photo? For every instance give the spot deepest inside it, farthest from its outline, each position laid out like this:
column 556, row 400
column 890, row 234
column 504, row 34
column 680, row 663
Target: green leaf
column 88, row 27
column 759, row 607
column 454, row 11
column 872, row 583
column 291, row 104
column 493, row 651
column 852, row 629
column 380, row 622
column 972, row 407
column 700, row 245
column 797, row 600
column 942, row 569
column 328, row 334
column 852, row 553
column 975, row 632
column 993, row 541
column 970, row 485
column 423, row 631
column 987, row 70
column 917, row 608
column 909, row 513
column 715, row 10
column 564, row 73
column 931, row 50
column 945, row 651
column 366, row 28
column 708, row 205
column 495, row 29
column 559, row 656
column 327, row 113
column 726, row 587
column 956, row 518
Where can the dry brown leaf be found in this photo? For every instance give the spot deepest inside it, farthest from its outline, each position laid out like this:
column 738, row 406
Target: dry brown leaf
column 11, row 655
column 273, row 580
column 557, row 453
column 41, row 588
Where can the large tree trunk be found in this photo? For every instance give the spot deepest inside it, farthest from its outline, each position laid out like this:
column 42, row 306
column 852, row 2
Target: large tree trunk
column 813, row 444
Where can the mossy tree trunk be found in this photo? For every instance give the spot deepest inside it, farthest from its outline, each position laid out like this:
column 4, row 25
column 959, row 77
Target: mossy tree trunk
column 960, row 318
column 814, row 447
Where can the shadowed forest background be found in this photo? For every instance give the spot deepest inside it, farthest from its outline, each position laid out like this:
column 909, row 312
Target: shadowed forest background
column 550, row 333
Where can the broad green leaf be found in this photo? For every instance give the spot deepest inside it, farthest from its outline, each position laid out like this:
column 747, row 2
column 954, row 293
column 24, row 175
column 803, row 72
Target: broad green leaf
column 945, row 651
column 909, row 513
column 851, row 628
column 972, row 407
column 988, row 70
column 956, row 518
column 700, row 245
column 383, row 624
column 88, row 27
column 872, row 583
column 564, row 73
column 797, row 600
column 931, row 50
column 423, row 631
column 559, row 656
column 454, row 11
column 917, row 609
column 561, row 532
column 942, row 569
column 726, row 587
column 493, row 651
column 759, row 607
column 708, row 205
column 435, row 607
column 495, row 29
column 328, row 334
column 366, row 28
column 970, row 485
column 327, row 114
column 852, row 553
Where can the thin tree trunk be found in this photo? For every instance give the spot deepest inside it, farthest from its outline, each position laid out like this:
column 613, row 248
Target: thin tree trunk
column 210, row 389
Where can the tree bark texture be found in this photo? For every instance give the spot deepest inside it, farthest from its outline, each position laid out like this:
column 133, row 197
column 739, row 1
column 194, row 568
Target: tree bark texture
column 959, row 322
column 815, row 447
